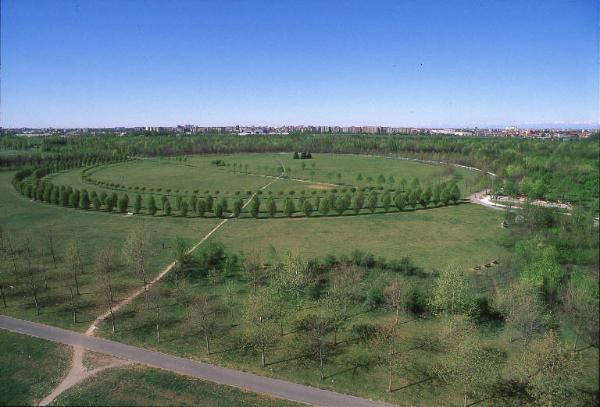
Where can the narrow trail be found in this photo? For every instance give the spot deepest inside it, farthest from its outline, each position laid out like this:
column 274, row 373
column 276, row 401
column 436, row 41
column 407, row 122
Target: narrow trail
column 78, row 372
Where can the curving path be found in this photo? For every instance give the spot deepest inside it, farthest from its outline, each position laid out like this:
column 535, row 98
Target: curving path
column 247, row 381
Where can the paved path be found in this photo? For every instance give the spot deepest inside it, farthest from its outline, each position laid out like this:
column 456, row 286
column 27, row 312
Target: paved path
column 221, row 375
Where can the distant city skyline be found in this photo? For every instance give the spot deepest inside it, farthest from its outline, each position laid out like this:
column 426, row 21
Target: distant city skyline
column 428, row 64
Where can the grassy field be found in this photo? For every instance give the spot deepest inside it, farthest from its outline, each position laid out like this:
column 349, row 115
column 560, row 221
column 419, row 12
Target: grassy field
column 137, row 386
column 464, row 234
column 92, row 230
column 29, row 368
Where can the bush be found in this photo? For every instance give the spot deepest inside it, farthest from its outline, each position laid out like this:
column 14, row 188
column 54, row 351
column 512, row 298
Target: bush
column 374, row 298
column 416, row 301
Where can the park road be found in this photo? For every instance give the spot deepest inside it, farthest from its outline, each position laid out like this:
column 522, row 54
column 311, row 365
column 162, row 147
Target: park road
column 247, row 381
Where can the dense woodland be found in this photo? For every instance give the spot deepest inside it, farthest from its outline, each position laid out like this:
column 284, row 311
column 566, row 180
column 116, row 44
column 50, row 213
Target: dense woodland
column 554, row 170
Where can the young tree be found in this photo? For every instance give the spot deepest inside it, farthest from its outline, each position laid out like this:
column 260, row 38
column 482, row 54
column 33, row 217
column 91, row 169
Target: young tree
column 201, row 207
column 551, row 373
column 75, row 263
column 255, row 206
column 314, row 334
column 307, row 208
column 84, row 200
column 123, row 203
column 237, row 207
column 51, row 249
column 262, row 332
column 32, row 273
column 413, row 198
column 324, row 206
column 289, row 207
column 358, row 203
column 340, row 205
column 253, row 270
column 467, row 362
column 204, row 318
column 167, row 208
column 184, row 209
column 384, row 343
column 454, row 193
column 523, row 310
column 218, row 210
column 372, row 201
column 425, row 197
column 230, row 297
column 209, row 203
column 399, row 200
column 436, row 196
column 271, row 207
column 341, row 293
column 386, row 200
column 394, row 296
column 155, row 299
column 151, row 205
column 580, row 300
column 193, row 203
column 106, row 267
column 97, row 204
column 135, row 253
column 452, row 293
column 110, row 204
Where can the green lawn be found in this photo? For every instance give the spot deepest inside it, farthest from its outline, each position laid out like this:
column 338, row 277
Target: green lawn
column 464, row 234
column 137, row 386
column 29, row 368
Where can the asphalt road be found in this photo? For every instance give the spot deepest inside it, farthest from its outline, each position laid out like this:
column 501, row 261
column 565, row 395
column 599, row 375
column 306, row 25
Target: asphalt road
column 221, row 375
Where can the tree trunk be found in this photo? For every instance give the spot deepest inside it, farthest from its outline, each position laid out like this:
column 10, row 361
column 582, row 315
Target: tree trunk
column 76, row 282
column 73, row 308
column 321, row 363
column 207, row 344
column 112, row 319
column 157, row 333
column 465, row 392
column 262, row 357
column 397, row 314
column 389, row 388
column 3, row 295
column 35, row 301
column 335, row 335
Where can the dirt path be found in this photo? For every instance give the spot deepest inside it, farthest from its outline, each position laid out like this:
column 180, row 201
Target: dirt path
column 78, row 372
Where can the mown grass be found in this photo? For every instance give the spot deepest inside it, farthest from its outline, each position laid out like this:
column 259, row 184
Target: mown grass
column 137, row 386
column 465, row 235
column 29, row 368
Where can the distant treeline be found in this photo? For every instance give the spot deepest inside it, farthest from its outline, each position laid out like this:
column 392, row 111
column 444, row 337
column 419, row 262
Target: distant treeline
column 554, row 170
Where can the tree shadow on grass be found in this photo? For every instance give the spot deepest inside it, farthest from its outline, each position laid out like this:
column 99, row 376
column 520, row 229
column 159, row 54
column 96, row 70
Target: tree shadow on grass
column 427, row 379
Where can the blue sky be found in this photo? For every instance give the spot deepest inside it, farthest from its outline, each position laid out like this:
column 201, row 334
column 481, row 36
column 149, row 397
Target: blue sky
column 94, row 63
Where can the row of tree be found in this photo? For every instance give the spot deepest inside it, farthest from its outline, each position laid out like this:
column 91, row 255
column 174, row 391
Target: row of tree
column 35, row 189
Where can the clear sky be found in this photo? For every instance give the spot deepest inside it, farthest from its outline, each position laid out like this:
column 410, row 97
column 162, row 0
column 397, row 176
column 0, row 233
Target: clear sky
column 93, row 63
